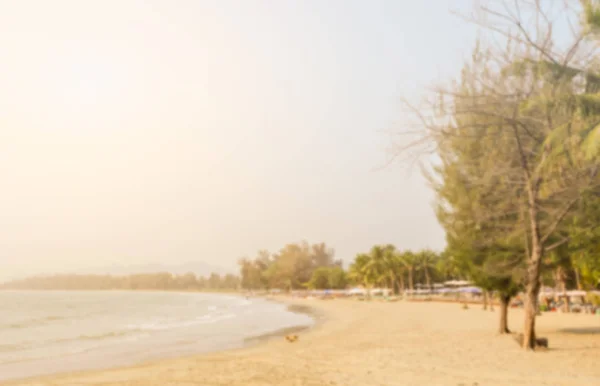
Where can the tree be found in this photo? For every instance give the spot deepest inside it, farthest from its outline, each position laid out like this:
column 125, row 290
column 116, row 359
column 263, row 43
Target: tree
column 251, row 274
column 584, row 242
column 291, row 268
column 337, row 278
column 214, row 280
column 409, row 261
column 364, row 271
column 537, row 103
column 552, row 111
column 449, row 267
column 484, row 231
column 230, row 281
column 187, row 281
column 426, row 261
column 320, row 279
column 382, row 261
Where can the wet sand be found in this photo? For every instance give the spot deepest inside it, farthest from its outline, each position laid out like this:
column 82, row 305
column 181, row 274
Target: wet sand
column 378, row 343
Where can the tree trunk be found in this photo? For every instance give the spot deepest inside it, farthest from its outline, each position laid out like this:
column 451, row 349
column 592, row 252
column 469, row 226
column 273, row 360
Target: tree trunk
column 577, row 278
column 485, row 300
column 567, row 305
column 491, row 300
column 402, row 284
column 531, row 296
column 534, row 265
column 410, row 280
column 504, row 302
column 427, row 279
column 560, row 288
column 557, row 289
column 562, row 284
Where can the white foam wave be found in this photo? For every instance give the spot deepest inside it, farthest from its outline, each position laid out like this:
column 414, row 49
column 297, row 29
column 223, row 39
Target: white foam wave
column 206, row 319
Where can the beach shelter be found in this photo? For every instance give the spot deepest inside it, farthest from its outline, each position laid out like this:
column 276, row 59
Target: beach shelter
column 456, row 283
column 470, row 290
column 357, row 291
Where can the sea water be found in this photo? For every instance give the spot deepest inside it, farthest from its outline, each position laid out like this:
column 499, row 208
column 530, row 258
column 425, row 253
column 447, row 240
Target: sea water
column 44, row 332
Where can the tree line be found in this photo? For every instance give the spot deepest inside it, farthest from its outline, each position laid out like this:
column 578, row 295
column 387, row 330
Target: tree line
column 300, row 266
column 295, row 266
column 148, row 281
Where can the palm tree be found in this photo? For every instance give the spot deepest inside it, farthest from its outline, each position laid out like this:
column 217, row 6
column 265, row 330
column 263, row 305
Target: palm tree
column 363, row 271
column 449, row 267
column 399, row 269
column 384, row 259
column 380, row 265
column 426, row 262
column 408, row 262
column 393, row 267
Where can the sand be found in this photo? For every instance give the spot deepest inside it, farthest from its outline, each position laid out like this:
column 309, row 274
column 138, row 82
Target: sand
column 378, row 343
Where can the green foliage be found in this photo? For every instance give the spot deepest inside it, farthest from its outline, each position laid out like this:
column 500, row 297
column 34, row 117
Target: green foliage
column 328, row 278
column 594, row 299
column 584, row 240
column 320, row 279
column 591, row 14
column 337, row 278
column 426, row 261
column 293, row 267
column 364, row 270
column 398, row 270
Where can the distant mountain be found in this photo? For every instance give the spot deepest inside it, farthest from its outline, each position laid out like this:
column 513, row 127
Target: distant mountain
column 197, row 267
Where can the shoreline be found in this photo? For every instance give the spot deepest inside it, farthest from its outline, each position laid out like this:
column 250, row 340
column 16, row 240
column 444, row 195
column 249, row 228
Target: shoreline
column 356, row 343
column 317, row 316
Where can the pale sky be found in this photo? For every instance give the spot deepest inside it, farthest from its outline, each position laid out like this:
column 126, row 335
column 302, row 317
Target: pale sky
column 170, row 131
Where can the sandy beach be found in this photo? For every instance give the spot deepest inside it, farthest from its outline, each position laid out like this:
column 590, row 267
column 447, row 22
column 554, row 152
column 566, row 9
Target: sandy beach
column 377, row 343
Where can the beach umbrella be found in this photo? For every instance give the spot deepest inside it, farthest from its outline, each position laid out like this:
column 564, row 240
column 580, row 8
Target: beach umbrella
column 470, row 290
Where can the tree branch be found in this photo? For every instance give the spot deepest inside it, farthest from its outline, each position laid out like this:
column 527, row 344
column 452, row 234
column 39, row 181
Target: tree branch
column 557, row 244
column 561, row 215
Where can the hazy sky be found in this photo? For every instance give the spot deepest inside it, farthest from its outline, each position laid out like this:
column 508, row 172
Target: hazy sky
column 141, row 131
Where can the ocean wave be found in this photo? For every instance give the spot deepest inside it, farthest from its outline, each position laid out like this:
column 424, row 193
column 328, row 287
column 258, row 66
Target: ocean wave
column 95, row 337
column 11, row 347
column 107, row 335
column 158, row 326
column 4, row 348
column 31, row 322
column 8, row 348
